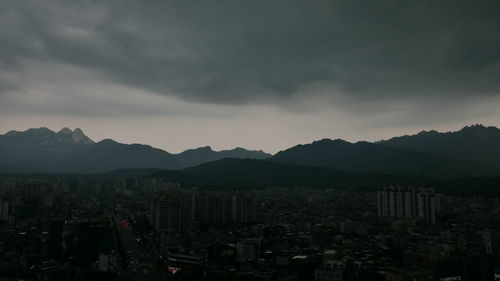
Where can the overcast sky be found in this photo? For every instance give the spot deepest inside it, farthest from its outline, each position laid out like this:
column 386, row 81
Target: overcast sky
column 258, row 74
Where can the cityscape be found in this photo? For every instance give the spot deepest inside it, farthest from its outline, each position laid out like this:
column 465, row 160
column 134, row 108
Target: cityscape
column 266, row 140
column 150, row 229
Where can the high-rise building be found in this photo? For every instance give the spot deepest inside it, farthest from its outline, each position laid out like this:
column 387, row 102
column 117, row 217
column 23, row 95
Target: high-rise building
column 180, row 211
column 172, row 212
column 245, row 208
column 47, row 200
column 55, row 238
column 212, row 207
column 4, row 211
column 408, row 202
column 225, row 207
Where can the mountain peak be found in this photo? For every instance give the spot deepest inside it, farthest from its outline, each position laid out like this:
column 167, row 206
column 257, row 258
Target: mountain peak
column 78, row 131
column 41, row 130
column 327, row 141
column 476, row 142
column 65, row 131
column 475, row 127
column 241, row 149
column 12, row 133
column 108, row 142
column 79, row 137
column 431, row 132
column 204, row 148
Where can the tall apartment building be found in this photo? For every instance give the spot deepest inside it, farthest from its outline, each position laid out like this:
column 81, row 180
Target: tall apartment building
column 180, row 211
column 244, row 208
column 4, row 211
column 408, row 202
column 212, row 207
column 172, row 212
column 224, row 207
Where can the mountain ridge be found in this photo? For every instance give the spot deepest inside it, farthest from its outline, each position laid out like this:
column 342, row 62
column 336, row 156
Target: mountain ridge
column 371, row 157
column 474, row 143
column 471, row 151
column 46, row 151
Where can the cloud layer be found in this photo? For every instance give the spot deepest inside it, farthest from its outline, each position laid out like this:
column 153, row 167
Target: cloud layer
column 261, row 51
column 379, row 61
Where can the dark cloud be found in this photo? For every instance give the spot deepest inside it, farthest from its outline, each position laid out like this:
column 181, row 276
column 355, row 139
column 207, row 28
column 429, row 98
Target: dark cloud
column 263, row 51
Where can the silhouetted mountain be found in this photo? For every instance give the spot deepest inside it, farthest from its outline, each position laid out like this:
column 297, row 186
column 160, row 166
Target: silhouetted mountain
column 252, row 174
column 108, row 155
column 39, row 149
column 476, row 143
column 193, row 157
column 370, row 157
column 472, row 151
column 44, row 151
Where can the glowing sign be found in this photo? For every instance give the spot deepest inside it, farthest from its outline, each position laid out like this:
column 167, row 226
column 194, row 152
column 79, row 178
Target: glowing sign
column 126, row 224
column 496, row 276
column 174, row 270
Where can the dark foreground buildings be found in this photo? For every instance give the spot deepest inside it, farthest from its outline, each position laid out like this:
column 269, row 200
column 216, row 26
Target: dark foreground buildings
column 126, row 229
column 183, row 211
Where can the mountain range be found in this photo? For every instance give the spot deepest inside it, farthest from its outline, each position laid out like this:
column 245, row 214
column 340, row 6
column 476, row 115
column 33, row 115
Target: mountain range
column 41, row 150
column 381, row 157
column 472, row 143
column 473, row 151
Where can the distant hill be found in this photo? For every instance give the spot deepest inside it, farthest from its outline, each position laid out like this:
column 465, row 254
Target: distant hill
column 193, row 157
column 42, row 150
column 108, row 155
column 255, row 174
column 474, row 143
column 379, row 157
column 249, row 174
